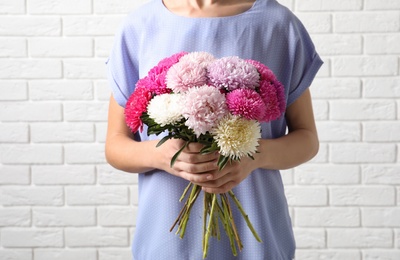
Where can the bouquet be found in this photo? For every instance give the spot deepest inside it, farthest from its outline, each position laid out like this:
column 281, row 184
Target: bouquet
column 219, row 103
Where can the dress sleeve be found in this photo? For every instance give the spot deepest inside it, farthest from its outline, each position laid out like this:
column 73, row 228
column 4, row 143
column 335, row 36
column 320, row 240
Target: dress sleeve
column 306, row 61
column 122, row 64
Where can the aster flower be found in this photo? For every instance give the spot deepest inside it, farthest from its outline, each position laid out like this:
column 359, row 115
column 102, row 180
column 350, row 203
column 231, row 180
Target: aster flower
column 203, row 107
column 165, row 109
column 246, row 103
column 237, row 137
column 201, row 58
column 135, row 107
column 274, row 100
column 231, row 73
column 185, row 75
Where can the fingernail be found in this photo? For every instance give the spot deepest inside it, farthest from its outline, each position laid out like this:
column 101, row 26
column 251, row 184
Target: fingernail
column 209, row 177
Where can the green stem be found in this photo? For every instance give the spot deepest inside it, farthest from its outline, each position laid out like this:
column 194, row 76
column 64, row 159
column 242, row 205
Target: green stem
column 211, row 219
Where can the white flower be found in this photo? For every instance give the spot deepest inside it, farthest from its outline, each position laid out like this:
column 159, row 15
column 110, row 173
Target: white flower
column 237, row 137
column 165, row 109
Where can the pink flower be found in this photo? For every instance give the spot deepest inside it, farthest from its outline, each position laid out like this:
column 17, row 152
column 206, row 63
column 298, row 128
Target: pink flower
column 246, row 103
column 231, row 73
column 135, row 107
column 186, row 74
column 203, row 108
column 166, row 63
column 202, row 58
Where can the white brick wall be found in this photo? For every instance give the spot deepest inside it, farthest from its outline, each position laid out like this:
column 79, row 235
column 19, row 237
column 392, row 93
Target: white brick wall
column 59, row 195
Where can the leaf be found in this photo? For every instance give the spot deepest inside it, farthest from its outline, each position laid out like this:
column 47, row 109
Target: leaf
column 222, row 161
column 163, row 140
column 177, row 154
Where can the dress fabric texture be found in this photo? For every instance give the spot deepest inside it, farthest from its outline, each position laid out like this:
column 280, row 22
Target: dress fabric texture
column 267, row 32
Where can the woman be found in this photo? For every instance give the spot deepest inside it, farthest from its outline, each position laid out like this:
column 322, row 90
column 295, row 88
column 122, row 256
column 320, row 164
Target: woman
column 261, row 30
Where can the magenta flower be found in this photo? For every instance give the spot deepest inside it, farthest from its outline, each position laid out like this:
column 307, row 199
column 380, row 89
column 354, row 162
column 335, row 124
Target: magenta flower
column 274, row 99
column 135, row 107
column 203, row 108
column 231, row 73
column 246, row 103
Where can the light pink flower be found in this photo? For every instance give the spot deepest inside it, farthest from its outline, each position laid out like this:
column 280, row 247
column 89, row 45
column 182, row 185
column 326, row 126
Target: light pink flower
column 203, row 107
column 201, row 58
column 185, row 75
column 231, row 73
column 246, row 103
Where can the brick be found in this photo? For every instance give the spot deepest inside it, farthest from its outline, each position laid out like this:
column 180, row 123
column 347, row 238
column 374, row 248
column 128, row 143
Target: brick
column 96, row 237
column 15, row 217
column 365, row 66
column 382, row 131
column 31, row 154
column 103, row 45
column 62, row 132
column 102, row 90
column 327, row 217
column 84, row 153
column 116, row 7
column 114, row 254
column 62, row 217
column 31, row 196
column 362, row 196
column 287, row 177
column 16, row 254
column 61, row 47
column 108, row 175
column 381, row 174
column 382, row 5
column 359, row 238
column 325, row 70
column 288, row 3
column 79, row 111
column 381, row 217
column 13, row 47
column 321, row 109
column 328, row 254
column 309, row 238
column 116, row 216
column 32, row 237
column 334, row 88
column 30, row 69
column 92, row 195
column 30, row 26
column 327, row 174
column 12, row 7
column 388, row 254
column 362, row 153
column 101, row 132
column 387, row 87
column 362, row 109
column 14, row 174
column 60, row 7
column 27, row 111
column 316, row 22
column 306, row 196
column 91, row 25
column 14, row 133
column 134, row 194
column 19, row 90
column 333, row 131
column 61, row 90
column 65, row 254
column 366, row 22
column 382, row 43
column 85, row 69
column 63, row 174
column 338, row 44
column 327, row 5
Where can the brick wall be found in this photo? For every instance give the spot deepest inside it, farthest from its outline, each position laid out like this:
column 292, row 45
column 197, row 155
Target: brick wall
column 60, row 200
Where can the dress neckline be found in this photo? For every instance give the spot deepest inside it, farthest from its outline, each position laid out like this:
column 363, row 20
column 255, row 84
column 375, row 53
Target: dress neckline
column 170, row 13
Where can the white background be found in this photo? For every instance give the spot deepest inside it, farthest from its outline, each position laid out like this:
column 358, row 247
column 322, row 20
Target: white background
column 60, row 200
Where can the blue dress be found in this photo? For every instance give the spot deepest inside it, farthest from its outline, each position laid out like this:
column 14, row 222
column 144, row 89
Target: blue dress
column 267, row 32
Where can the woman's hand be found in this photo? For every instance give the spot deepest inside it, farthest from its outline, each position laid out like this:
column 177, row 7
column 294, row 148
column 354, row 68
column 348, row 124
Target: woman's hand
column 190, row 164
